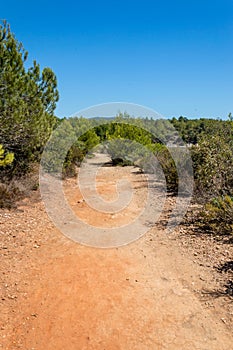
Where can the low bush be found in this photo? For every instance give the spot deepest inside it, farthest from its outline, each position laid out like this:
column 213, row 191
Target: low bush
column 217, row 216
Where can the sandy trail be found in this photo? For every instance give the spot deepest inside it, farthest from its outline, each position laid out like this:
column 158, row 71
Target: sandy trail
column 76, row 297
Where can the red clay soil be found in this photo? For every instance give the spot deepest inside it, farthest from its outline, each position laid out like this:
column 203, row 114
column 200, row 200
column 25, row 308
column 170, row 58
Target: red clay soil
column 57, row 294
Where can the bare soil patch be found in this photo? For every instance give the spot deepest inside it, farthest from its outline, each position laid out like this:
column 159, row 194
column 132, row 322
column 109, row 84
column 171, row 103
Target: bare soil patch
column 152, row 294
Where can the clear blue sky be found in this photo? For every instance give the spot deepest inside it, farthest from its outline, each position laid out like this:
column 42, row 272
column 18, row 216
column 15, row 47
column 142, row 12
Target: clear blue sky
column 175, row 56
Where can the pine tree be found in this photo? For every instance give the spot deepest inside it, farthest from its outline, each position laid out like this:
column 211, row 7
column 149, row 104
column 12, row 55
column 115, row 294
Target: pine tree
column 27, row 101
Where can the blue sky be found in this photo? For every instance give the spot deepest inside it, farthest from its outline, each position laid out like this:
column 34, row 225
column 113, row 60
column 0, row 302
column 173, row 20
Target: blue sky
column 173, row 56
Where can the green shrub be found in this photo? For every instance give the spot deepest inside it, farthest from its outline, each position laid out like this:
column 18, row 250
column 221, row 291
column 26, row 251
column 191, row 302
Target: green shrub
column 123, row 152
column 169, row 168
column 28, row 99
column 5, row 159
column 213, row 163
column 217, row 216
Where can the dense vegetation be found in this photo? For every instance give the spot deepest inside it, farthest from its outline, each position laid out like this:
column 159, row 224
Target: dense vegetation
column 27, row 103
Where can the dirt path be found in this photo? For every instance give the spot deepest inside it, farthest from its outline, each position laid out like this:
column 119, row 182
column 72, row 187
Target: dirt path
column 57, row 294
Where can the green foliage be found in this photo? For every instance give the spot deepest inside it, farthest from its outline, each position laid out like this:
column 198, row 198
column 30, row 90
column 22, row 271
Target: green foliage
column 125, row 142
column 123, row 152
column 217, row 216
column 130, row 144
column 128, row 131
column 89, row 140
column 169, row 168
column 194, row 130
column 85, row 141
column 57, row 147
column 6, row 159
column 85, row 144
column 27, row 102
column 213, row 164
column 70, row 142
